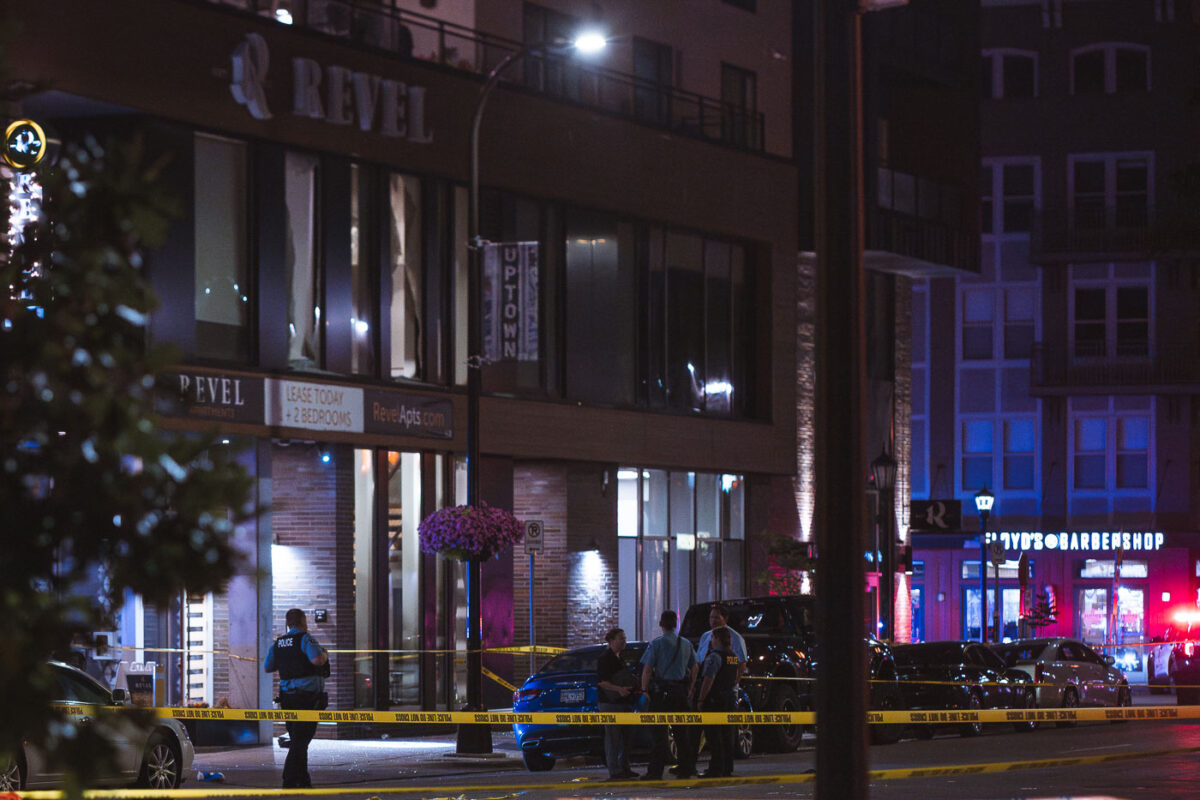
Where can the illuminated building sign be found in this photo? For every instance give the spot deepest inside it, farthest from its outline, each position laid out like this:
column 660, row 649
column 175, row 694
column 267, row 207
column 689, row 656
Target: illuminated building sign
column 1079, row 541
column 24, row 144
column 332, row 94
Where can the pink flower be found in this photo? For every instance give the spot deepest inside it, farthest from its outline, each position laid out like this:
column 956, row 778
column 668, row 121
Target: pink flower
column 469, row 532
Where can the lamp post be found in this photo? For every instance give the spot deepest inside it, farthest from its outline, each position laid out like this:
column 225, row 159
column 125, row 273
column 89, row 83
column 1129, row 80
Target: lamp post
column 983, row 504
column 883, row 468
column 478, row 738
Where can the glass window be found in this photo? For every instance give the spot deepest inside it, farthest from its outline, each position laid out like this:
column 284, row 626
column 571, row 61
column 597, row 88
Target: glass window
column 1019, row 75
column 1019, row 445
column 1132, row 68
column 654, row 584
column 718, row 373
column 364, row 560
column 1019, row 328
column 987, row 200
column 685, row 327
column 978, row 323
column 406, row 309
column 305, row 280
column 222, row 271
column 654, row 503
column 739, row 106
column 1018, row 198
column 1090, row 316
column 1133, row 444
column 1089, row 453
column 977, row 454
column 1092, row 622
column 1132, row 195
column 363, row 276
column 654, row 320
column 404, row 584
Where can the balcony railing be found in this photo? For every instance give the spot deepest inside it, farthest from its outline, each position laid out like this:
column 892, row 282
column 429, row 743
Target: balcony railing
column 407, row 34
column 922, row 239
column 1054, row 369
column 1131, row 232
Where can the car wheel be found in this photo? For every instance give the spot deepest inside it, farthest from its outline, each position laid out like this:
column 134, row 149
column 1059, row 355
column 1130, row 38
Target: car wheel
column 1124, row 700
column 974, row 703
column 1070, row 700
column 162, row 765
column 536, row 762
column 673, row 743
column 1030, row 703
column 12, row 775
column 743, row 741
column 888, row 700
column 785, row 738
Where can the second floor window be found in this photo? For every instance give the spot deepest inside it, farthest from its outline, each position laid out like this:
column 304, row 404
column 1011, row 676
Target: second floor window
column 739, row 106
column 1110, row 68
column 1008, row 196
column 1111, row 320
column 1111, row 444
column 1111, row 191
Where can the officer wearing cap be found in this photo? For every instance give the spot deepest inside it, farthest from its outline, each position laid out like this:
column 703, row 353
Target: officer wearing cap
column 302, row 665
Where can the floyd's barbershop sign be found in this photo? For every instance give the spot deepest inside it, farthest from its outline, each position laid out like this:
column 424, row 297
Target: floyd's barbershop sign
column 304, row 405
column 1079, row 541
column 330, row 93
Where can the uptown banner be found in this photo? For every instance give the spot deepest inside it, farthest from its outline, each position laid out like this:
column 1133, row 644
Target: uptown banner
column 510, row 301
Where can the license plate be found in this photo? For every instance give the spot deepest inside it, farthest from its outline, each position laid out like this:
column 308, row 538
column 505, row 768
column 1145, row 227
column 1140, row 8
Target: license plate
column 571, row 697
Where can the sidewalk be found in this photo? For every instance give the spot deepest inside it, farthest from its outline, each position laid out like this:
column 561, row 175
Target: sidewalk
column 366, row 761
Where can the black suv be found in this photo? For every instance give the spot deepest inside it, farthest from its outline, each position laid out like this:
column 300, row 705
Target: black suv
column 781, row 648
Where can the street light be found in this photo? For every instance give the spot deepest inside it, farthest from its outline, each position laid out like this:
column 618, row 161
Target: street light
column 478, row 738
column 883, row 468
column 983, row 504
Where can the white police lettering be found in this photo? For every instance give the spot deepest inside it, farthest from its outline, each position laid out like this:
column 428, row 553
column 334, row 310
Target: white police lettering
column 285, row 641
column 250, row 63
column 1082, row 541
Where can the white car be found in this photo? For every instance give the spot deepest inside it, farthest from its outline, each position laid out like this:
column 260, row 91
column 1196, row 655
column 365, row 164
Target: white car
column 1068, row 672
column 158, row 759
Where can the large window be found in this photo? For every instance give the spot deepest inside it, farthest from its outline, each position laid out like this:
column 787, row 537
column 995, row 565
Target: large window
column 1111, row 191
column 1111, row 446
column 681, row 541
column 1110, row 316
column 1110, row 68
column 305, row 276
column 1009, row 195
column 223, row 288
column 739, row 106
column 698, row 343
column 407, row 296
column 653, row 69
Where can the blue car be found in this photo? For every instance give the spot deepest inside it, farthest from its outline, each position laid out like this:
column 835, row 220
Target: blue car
column 568, row 683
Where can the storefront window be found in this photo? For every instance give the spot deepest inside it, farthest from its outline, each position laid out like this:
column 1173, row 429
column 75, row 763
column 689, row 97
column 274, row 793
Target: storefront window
column 363, row 275
column 689, row 546
column 917, row 620
column 1092, row 622
column 222, row 270
column 404, row 579
column 972, row 612
column 304, row 273
column 364, row 559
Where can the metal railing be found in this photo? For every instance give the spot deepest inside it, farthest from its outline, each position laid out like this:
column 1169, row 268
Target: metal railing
column 923, row 239
column 1053, row 365
column 1101, row 230
column 407, row 34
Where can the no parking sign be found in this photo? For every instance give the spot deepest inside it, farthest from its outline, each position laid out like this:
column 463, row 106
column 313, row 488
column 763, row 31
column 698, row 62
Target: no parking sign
column 533, row 536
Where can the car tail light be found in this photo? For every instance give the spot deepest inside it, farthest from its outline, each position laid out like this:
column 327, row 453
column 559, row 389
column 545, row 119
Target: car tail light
column 525, row 694
column 1189, row 648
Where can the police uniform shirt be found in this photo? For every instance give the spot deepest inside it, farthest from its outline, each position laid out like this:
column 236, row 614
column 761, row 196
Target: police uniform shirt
column 661, row 658
column 308, row 646
column 738, row 644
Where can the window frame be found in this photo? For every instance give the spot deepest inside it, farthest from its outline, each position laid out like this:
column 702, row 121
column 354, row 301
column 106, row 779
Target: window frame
column 999, row 196
column 1111, row 285
column 1112, row 417
column 1110, row 50
column 1111, row 193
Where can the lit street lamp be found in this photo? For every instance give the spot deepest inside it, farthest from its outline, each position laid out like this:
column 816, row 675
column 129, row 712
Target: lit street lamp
column 983, row 504
column 883, row 468
column 478, row 738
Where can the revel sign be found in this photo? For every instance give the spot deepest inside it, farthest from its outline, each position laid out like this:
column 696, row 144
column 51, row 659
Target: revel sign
column 332, row 94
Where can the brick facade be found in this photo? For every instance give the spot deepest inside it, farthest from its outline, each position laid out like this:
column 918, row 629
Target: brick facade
column 313, row 566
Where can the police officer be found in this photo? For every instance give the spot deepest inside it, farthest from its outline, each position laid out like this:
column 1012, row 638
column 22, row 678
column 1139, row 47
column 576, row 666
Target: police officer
column 668, row 671
column 720, row 675
column 302, row 665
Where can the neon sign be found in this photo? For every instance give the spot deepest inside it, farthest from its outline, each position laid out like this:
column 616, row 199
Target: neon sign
column 24, row 144
column 1079, row 541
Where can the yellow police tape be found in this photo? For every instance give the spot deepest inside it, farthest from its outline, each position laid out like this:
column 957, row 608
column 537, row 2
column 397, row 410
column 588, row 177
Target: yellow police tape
column 930, row 717
column 434, row 792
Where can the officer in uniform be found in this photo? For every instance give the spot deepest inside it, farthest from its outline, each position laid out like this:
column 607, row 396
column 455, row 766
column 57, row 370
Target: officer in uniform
column 668, row 672
column 303, row 666
column 720, row 673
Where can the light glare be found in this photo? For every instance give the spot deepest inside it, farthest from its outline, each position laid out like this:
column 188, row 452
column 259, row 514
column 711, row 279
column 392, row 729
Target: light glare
column 590, row 42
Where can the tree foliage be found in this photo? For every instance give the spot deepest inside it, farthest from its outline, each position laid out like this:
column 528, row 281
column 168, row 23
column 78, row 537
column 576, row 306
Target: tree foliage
column 789, row 561
column 93, row 492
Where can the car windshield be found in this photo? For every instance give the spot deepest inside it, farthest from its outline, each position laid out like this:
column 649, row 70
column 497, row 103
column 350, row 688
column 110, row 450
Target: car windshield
column 915, row 655
column 1020, row 652
column 585, row 659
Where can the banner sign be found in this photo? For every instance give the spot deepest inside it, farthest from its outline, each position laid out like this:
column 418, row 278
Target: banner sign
column 510, row 301
column 256, row 400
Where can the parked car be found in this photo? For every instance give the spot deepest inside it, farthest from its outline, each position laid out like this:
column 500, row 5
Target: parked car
column 783, row 653
column 1068, row 673
column 568, row 683
column 1174, row 660
column 961, row 676
column 158, row 758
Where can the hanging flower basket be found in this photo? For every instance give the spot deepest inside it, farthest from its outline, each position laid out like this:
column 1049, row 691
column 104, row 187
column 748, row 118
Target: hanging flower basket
column 469, row 532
